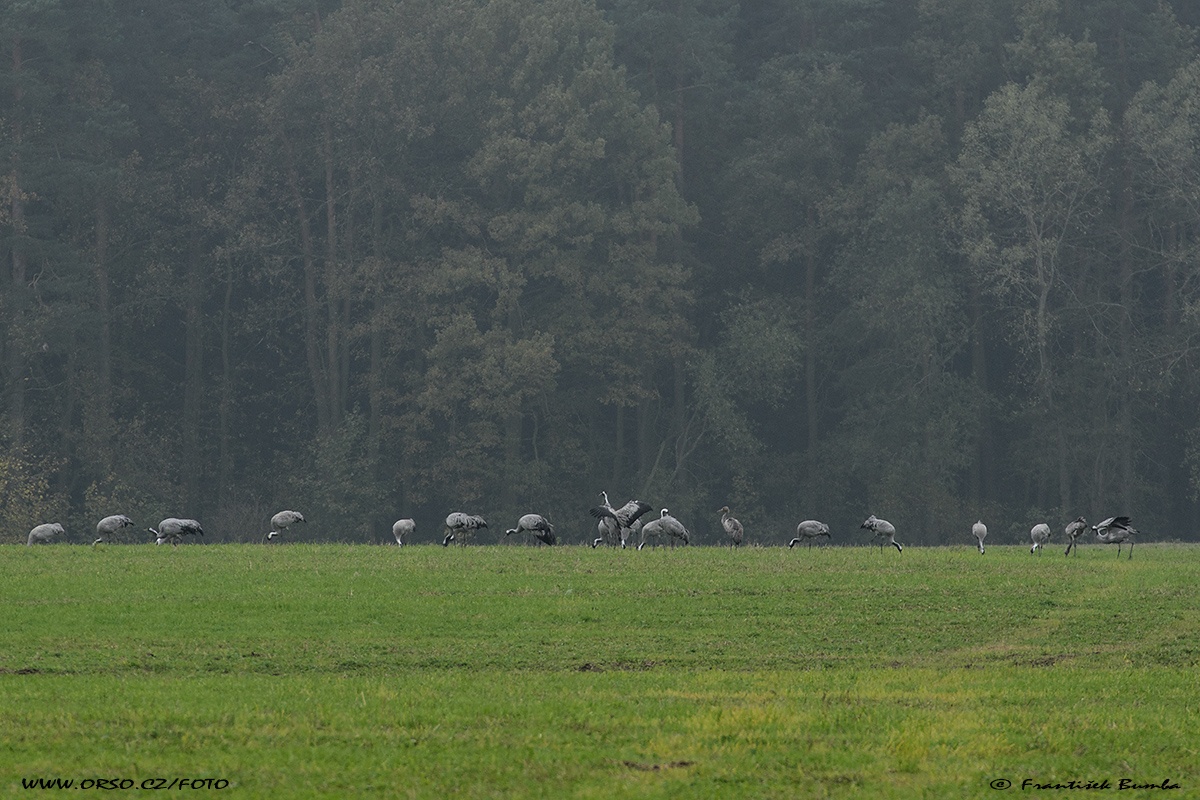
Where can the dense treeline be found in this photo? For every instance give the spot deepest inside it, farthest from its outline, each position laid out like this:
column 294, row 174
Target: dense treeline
column 932, row 259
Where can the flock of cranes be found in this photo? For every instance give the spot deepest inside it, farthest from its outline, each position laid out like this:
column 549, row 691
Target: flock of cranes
column 615, row 526
column 618, row 525
column 1114, row 530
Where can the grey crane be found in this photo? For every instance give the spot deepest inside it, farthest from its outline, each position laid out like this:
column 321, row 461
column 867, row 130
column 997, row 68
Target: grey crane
column 808, row 530
column 45, row 533
column 732, row 527
column 1118, row 531
column 173, row 530
column 281, row 522
column 459, row 527
column 536, row 524
column 884, row 531
column 1075, row 528
column 402, row 529
column 979, row 531
column 1040, row 534
column 618, row 524
column 109, row 526
column 665, row 525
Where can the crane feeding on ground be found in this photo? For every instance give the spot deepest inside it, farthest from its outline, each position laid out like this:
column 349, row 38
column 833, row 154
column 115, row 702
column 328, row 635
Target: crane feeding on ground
column 808, row 530
column 979, row 531
column 45, row 533
column 281, row 522
column 884, row 531
column 537, row 525
column 1075, row 528
column 402, row 529
column 460, row 526
column 109, row 526
column 1039, row 534
column 173, row 530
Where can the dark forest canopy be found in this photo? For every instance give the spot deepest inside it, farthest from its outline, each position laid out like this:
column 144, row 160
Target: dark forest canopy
column 934, row 260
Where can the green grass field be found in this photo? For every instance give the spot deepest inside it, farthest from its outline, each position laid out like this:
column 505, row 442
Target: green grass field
column 338, row 670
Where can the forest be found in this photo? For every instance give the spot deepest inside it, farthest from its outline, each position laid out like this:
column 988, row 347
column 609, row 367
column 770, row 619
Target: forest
column 932, row 260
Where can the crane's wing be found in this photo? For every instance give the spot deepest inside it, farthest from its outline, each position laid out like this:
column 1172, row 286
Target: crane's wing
column 631, row 511
column 600, row 512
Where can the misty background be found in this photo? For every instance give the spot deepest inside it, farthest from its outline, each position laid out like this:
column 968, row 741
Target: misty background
column 933, row 260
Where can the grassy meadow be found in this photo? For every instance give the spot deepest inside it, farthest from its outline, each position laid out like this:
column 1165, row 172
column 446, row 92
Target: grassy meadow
column 483, row 672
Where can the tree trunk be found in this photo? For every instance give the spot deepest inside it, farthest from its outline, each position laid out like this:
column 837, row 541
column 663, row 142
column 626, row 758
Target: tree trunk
column 679, row 104
column 103, row 303
column 512, row 459
column 1125, row 331
column 16, row 354
column 333, row 331
column 645, row 445
column 981, row 472
column 316, row 370
column 679, row 416
column 193, row 369
column 225, row 407
column 376, row 365
column 810, row 356
column 618, row 453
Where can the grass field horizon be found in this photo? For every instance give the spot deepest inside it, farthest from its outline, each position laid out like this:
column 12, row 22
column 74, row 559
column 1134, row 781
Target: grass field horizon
column 336, row 670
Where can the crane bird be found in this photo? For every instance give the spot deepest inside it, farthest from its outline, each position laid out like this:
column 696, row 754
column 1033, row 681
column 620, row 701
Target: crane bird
column 808, row 530
column 536, row 524
column 1116, row 530
column 618, row 524
column 1040, row 534
column 109, row 526
column 732, row 527
column 884, row 530
column 45, row 533
column 402, row 529
column 1074, row 530
column 459, row 526
column 281, row 522
column 664, row 525
column 173, row 530
column 979, row 530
